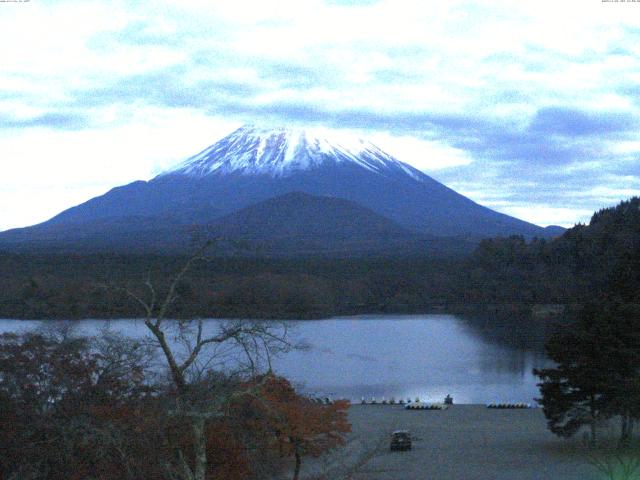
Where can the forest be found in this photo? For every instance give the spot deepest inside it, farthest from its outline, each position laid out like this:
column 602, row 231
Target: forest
column 502, row 273
column 92, row 286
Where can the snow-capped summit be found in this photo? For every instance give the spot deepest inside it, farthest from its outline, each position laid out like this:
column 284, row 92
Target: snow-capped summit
column 317, row 179
column 282, row 151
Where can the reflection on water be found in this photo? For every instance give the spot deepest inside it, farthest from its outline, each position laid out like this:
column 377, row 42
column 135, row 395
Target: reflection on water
column 515, row 332
column 476, row 360
column 522, row 337
column 424, row 356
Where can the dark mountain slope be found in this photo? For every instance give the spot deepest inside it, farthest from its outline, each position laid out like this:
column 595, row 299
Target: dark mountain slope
column 252, row 165
column 299, row 223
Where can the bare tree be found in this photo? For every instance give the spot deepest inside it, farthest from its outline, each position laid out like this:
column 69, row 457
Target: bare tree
column 193, row 351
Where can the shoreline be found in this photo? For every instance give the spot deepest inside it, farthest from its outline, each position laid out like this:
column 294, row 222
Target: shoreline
column 551, row 312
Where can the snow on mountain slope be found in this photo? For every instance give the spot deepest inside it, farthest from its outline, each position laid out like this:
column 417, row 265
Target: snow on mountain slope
column 253, row 165
column 282, row 151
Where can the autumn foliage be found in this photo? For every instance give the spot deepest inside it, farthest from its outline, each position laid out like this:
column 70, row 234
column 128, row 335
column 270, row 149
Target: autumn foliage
column 73, row 409
column 296, row 425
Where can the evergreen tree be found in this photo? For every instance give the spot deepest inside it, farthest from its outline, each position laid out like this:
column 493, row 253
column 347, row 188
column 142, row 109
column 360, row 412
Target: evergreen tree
column 597, row 372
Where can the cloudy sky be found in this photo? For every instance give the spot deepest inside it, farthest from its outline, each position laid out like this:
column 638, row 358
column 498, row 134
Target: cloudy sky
column 531, row 108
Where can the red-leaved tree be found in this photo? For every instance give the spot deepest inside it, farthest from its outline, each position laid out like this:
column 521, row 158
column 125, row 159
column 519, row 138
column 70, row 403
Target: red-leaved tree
column 297, row 425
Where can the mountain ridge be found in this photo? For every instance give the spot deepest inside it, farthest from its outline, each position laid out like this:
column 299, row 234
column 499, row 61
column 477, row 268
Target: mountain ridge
column 250, row 166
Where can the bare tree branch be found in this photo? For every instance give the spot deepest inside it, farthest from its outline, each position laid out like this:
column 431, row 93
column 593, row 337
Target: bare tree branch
column 258, row 340
column 170, row 298
column 152, row 303
column 146, row 306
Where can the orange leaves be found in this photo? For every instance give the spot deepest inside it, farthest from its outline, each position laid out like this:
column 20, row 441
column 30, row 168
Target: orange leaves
column 296, row 423
column 226, row 454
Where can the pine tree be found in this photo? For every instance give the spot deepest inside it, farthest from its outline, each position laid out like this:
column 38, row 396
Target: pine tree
column 597, row 372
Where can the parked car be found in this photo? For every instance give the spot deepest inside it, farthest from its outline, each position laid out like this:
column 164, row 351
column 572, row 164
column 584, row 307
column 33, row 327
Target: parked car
column 401, row 440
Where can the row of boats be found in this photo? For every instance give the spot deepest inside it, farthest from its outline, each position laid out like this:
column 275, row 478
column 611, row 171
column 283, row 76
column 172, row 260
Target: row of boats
column 392, row 401
column 509, row 405
column 426, row 406
column 419, row 405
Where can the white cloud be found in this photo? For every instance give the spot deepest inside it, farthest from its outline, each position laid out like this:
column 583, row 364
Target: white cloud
column 497, row 60
column 45, row 172
column 423, row 154
column 23, row 205
column 545, row 215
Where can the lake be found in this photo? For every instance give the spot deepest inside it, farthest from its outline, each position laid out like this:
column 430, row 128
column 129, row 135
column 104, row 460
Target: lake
column 476, row 360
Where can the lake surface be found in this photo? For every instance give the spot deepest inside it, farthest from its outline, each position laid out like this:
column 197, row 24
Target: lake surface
column 426, row 356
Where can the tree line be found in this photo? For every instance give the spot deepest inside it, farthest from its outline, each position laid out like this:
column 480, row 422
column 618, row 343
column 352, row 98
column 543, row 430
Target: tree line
column 92, row 286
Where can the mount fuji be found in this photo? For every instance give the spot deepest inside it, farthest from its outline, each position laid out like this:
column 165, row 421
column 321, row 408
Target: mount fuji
column 250, row 168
